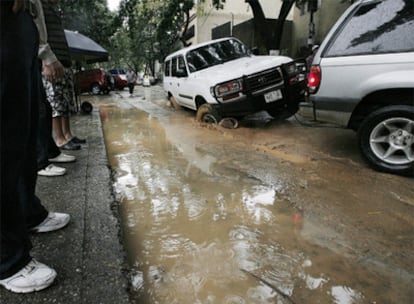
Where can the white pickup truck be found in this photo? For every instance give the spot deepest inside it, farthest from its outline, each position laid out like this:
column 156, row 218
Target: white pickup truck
column 221, row 78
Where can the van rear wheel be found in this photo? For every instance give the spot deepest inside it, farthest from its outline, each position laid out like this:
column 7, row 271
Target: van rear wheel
column 174, row 104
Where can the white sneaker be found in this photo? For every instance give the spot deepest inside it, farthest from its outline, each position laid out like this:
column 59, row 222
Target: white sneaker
column 52, row 170
column 63, row 158
column 34, row 276
column 53, row 221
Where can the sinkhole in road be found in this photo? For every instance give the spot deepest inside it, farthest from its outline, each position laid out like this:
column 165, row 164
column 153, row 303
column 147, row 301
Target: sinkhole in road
column 199, row 228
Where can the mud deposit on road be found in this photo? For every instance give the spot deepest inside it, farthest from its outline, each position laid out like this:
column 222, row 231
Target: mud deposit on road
column 295, row 206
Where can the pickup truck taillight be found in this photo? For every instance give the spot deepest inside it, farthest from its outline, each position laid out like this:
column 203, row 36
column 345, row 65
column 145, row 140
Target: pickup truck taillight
column 314, row 78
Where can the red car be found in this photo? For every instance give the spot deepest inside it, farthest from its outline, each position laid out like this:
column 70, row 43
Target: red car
column 120, row 78
column 96, row 81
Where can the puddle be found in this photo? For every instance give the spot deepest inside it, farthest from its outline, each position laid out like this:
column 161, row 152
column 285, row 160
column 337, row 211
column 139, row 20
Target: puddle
column 199, row 228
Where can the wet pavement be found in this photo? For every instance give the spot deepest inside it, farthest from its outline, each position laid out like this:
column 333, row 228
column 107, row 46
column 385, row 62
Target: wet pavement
column 87, row 254
column 266, row 213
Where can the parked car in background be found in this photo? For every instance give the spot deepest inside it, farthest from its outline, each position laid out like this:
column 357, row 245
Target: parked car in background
column 362, row 78
column 95, row 81
column 120, row 78
column 222, row 78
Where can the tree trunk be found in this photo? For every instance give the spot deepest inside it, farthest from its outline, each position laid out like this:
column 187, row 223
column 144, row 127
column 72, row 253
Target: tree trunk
column 271, row 39
column 184, row 32
column 260, row 24
column 284, row 12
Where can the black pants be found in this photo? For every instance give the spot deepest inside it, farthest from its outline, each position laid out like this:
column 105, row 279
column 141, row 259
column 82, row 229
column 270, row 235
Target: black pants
column 131, row 87
column 46, row 146
column 19, row 88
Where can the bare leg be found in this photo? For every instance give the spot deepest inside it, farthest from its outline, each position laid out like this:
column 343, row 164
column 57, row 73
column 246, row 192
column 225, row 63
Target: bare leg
column 57, row 130
column 65, row 124
column 68, row 133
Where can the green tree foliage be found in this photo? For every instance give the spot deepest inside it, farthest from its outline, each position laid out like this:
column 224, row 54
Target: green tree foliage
column 153, row 27
column 89, row 17
column 120, row 50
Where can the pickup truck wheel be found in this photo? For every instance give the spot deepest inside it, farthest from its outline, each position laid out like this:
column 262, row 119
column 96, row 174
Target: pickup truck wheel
column 174, row 103
column 386, row 139
column 96, row 89
column 207, row 114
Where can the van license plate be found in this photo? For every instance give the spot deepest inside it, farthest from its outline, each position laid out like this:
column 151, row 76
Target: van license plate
column 273, row 96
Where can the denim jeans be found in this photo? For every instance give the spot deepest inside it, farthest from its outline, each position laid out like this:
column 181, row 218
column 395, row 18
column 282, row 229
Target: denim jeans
column 19, row 88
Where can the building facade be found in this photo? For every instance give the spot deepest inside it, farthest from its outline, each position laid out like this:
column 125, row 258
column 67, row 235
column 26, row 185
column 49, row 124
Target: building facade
column 205, row 18
column 236, row 19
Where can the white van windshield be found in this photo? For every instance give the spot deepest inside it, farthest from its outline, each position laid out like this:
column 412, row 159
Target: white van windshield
column 215, row 53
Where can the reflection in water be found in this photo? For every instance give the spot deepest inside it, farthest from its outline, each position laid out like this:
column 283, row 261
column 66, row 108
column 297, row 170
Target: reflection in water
column 255, row 202
column 343, row 294
column 192, row 221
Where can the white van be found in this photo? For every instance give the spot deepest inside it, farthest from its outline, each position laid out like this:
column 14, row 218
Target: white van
column 221, row 78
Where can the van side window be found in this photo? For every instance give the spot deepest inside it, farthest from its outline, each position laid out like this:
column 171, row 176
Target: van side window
column 178, row 63
column 167, row 68
column 379, row 27
column 181, row 64
column 174, row 67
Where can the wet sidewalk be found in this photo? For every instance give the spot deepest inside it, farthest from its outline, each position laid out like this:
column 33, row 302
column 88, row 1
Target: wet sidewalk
column 87, row 254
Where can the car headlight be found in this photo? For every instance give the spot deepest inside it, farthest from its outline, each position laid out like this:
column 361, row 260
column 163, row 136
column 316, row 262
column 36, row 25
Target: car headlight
column 228, row 88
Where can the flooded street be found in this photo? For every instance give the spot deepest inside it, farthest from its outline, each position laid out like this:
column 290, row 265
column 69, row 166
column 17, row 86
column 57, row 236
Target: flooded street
column 265, row 213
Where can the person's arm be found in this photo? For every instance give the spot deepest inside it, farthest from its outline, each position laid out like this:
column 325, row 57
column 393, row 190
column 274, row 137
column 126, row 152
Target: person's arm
column 52, row 68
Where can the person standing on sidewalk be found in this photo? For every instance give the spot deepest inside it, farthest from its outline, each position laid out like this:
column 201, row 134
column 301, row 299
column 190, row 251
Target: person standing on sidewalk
column 60, row 91
column 47, row 151
column 131, row 79
column 20, row 210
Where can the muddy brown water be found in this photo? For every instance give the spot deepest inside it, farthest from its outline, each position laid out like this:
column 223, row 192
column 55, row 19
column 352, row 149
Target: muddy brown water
column 207, row 219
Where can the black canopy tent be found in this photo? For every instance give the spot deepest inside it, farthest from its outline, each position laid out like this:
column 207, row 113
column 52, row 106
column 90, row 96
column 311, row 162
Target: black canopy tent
column 84, row 49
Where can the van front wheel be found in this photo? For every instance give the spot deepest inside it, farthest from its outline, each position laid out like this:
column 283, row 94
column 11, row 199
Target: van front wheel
column 207, row 114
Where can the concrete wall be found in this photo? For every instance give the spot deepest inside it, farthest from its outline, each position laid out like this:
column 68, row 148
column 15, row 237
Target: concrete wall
column 328, row 13
column 295, row 36
column 234, row 11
